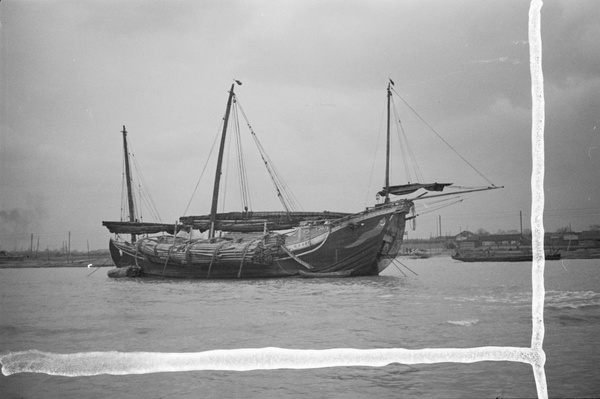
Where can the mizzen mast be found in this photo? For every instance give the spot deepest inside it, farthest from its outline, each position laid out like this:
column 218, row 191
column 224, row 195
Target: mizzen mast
column 130, row 202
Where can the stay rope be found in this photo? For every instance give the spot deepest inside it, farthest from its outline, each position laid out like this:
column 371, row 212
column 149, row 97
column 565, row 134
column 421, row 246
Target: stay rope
column 443, row 140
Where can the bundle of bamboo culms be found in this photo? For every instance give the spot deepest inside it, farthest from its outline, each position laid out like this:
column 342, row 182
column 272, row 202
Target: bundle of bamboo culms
column 215, row 251
column 274, row 239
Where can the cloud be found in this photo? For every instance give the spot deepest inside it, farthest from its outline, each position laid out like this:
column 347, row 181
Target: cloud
column 499, row 59
column 570, row 32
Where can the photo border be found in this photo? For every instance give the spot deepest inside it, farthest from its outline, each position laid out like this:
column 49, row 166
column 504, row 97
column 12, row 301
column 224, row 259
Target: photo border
column 123, row 363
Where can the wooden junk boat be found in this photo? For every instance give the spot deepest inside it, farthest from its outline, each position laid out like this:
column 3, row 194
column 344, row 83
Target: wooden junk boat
column 266, row 244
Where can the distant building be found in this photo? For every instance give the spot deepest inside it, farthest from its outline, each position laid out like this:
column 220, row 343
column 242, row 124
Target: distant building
column 464, row 235
column 566, row 241
column 571, row 240
column 468, row 240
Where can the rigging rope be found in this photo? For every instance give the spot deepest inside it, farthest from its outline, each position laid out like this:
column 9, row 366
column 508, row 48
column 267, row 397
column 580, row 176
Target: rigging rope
column 441, row 138
column 403, row 143
column 204, row 169
column 374, row 158
column 144, row 192
column 287, row 198
column 285, row 195
column 407, row 151
column 427, row 209
column 223, row 187
column 243, row 178
column 124, row 214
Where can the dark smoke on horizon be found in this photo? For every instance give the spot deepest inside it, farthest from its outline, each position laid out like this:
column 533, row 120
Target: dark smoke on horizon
column 15, row 228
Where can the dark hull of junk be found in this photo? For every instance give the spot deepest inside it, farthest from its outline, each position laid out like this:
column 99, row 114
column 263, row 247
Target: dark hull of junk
column 363, row 244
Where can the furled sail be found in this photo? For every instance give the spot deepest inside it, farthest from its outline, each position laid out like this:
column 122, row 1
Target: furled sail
column 257, row 221
column 404, row 189
column 139, row 227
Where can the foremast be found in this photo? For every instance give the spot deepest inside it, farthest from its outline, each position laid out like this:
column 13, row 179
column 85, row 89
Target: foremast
column 387, row 148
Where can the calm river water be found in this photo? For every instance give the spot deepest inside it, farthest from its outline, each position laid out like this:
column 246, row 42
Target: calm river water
column 448, row 304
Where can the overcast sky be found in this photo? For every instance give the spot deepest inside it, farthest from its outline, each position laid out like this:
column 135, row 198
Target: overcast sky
column 314, row 77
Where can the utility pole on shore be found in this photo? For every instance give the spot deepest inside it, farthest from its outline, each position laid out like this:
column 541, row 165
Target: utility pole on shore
column 521, row 219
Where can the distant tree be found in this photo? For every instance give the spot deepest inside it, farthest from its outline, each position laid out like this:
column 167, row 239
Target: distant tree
column 595, row 227
column 482, row 232
column 563, row 230
column 500, row 232
column 527, row 232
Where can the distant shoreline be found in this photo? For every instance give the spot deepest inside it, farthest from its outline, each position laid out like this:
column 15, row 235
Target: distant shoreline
column 79, row 261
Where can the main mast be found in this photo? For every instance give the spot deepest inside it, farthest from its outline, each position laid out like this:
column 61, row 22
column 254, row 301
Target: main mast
column 215, row 198
column 128, row 179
